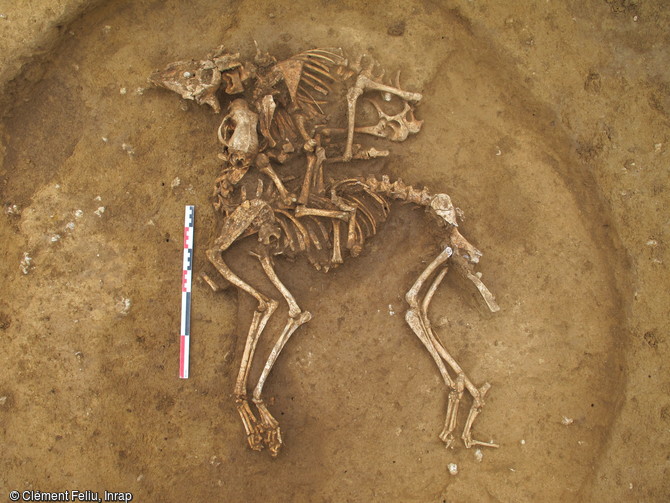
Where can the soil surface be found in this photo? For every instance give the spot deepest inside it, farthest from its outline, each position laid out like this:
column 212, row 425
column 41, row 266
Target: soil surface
column 548, row 124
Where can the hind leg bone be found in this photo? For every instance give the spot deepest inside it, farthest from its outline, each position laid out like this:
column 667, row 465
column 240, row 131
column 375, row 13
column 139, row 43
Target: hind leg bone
column 266, row 307
column 417, row 318
column 296, row 317
column 462, row 380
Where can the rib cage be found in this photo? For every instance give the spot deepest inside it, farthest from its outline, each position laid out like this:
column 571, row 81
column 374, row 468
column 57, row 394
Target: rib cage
column 315, row 236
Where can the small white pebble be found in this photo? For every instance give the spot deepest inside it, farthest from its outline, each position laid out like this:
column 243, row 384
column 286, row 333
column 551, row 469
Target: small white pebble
column 128, row 148
column 24, row 265
column 100, row 211
column 106, row 29
column 140, row 91
column 658, row 147
column 391, row 311
column 630, row 486
column 498, row 151
column 567, row 420
column 453, row 468
column 175, row 183
column 3, row 16
column 3, row 400
column 523, row 442
column 123, row 305
column 140, row 477
column 479, row 455
column 635, row 18
column 78, row 213
column 123, row 90
column 54, row 238
column 187, row 75
column 69, row 226
column 512, row 469
column 97, row 198
column 105, row 139
column 652, row 242
column 12, row 209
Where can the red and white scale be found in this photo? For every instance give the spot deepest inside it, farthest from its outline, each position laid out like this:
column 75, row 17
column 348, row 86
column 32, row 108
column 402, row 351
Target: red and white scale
column 186, row 277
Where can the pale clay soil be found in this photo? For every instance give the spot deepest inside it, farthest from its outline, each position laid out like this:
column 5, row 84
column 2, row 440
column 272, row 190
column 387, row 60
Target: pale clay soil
column 547, row 123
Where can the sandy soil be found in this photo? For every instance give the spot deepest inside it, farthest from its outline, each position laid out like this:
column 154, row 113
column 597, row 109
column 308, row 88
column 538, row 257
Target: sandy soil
column 546, row 123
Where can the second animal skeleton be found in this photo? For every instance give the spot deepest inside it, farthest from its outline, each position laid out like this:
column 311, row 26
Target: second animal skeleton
column 279, row 113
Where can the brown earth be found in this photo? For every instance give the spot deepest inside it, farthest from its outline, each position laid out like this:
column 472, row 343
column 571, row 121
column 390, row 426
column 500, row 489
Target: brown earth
column 547, row 123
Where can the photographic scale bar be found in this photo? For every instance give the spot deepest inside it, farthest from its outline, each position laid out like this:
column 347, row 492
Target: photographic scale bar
column 187, row 274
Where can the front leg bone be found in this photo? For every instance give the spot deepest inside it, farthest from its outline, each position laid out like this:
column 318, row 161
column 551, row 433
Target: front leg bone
column 263, row 164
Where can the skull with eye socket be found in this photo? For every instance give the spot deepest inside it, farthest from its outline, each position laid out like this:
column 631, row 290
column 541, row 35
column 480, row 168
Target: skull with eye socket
column 201, row 81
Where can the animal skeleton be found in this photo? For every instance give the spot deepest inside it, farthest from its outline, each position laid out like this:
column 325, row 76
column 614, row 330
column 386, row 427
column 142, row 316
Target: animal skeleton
column 279, row 113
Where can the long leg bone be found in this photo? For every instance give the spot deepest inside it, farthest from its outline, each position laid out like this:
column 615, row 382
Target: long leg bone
column 296, row 317
column 266, row 307
column 414, row 320
column 477, row 393
column 265, row 167
column 417, row 318
column 456, row 392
